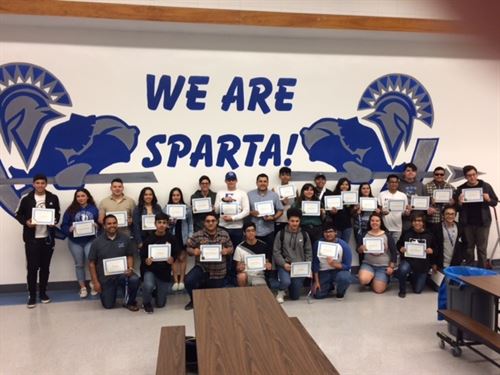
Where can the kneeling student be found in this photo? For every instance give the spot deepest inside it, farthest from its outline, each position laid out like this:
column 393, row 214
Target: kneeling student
column 251, row 246
column 328, row 271
column 156, row 274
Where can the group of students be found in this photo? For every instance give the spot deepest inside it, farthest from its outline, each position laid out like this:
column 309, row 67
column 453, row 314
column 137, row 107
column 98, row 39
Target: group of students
column 260, row 222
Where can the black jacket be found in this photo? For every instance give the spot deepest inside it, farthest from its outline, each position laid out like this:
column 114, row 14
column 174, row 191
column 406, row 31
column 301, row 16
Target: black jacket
column 485, row 206
column 24, row 210
column 459, row 250
column 419, row 265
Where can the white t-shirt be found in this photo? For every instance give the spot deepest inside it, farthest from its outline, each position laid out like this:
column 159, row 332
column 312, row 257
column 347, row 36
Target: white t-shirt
column 240, row 255
column 239, row 197
column 393, row 220
column 41, row 231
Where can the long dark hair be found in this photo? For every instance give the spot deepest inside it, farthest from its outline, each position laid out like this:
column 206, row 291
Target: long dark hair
column 307, row 187
column 74, row 207
column 172, row 193
column 140, row 201
column 365, row 184
column 382, row 226
column 337, row 190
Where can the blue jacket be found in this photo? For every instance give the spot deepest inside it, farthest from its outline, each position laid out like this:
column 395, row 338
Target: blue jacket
column 88, row 213
column 139, row 234
column 346, row 255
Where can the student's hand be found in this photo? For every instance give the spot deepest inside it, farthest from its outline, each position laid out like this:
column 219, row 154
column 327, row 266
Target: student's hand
column 431, row 211
column 434, row 267
column 170, row 260
column 385, row 212
column 149, row 261
column 486, row 197
column 129, row 272
column 254, row 213
column 316, row 286
column 196, row 252
column 378, row 211
column 333, row 210
column 407, row 210
column 287, row 267
column 285, row 201
column 240, row 267
column 389, row 271
column 429, row 250
column 361, row 249
column 129, row 220
column 269, row 218
column 225, row 251
column 71, row 229
column 30, row 224
column 402, row 250
column 97, row 286
column 227, row 218
column 269, row 266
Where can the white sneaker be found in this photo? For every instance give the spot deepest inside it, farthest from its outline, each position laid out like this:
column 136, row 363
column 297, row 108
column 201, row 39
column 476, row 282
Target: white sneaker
column 83, row 292
column 92, row 290
column 280, row 296
column 181, row 286
column 175, row 287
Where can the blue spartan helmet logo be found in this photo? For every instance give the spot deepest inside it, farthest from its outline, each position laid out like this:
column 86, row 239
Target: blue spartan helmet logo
column 396, row 101
column 73, row 149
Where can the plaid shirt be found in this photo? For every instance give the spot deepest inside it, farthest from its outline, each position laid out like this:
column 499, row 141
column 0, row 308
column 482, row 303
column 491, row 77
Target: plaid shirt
column 429, row 190
column 217, row 270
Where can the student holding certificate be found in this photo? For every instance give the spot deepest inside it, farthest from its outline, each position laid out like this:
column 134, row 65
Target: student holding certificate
column 291, row 245
column 182, row 229
column 410, row 186
column 361, row 217
column 208, row 274
column 156, row 271
column 249, row 265
column 38, row 238
column 333, row 270
column 310, row 223
column 147, row 204
column 111, row 266
column 437, row 189
column 285, row 187
column 475, row 214
column 393, row 219
column 79, row 224
column 117, row 202
column 417, row 261
column 342, row 218
column 378, row 264
column 203, row 192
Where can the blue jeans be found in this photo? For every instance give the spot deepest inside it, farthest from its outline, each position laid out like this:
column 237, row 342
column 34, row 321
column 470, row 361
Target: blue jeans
column 294, row 285
column 199, row 279
column 110, row 287
column 150, row 283
column 80, row 252
column 417, row 280
column 236, row 236
column 328, row 278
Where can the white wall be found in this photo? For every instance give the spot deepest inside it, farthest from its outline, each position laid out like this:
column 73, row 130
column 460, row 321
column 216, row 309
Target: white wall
column 104, row 70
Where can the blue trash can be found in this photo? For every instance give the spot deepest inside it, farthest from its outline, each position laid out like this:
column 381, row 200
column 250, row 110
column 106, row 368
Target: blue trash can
column 470, row 301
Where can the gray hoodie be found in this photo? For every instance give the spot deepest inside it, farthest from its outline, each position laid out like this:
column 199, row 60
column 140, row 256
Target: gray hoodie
column 295, row 247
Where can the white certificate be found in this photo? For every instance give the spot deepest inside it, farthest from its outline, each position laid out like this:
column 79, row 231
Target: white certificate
column 350, row 197
column 301, row 269
column 437, row 277
column 114, row 266
column 201, row 205
column 415, row 250
column 265, row 208
column 176, row 211
column 333, row 201
column 43, row 216
column 442, row 195
column 419, row 202
column 328, row 249
column 473, row 195
column 121, row 217
column 396, row 205
column 229, row 208
column 83, row 228
column 148, row 222
column 373, row 245
column 311, row 208
column 159, row 252
column 211, row 253
column 368, row 204
column 286, row 191
column 255, row 262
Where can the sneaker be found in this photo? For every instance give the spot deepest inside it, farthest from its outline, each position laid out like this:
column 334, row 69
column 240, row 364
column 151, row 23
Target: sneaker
column 83, row 292
column 31, row 302
column 93, row 292
column 189, row 306
column 181, row 286
column 280, row 297
column 340, row 296
column 175, row 287
column 402, row 294
column 148, row 308
column 132, row 306
column 44, row 298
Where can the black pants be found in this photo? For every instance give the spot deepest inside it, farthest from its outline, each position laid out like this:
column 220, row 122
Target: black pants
column 38, row 255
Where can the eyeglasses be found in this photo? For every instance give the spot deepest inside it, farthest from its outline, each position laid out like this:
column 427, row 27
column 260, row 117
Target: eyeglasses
column 438, row 174
column 210, row 221
column 471, row 174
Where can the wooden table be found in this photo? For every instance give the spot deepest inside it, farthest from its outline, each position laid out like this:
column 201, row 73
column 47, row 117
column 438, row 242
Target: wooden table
column 245, row 331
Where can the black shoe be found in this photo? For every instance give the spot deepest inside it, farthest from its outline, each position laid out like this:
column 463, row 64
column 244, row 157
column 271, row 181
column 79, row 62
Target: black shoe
column 132, row 307
column 44, row 298
column 148, row 308
column 31, row 302
column 402, row 294
column 189, row 306
column 340, row 296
